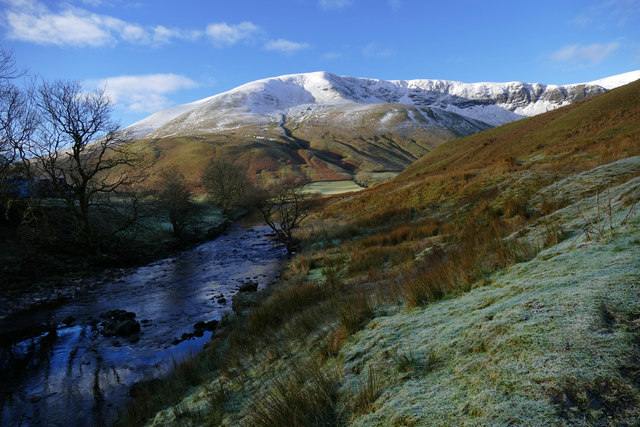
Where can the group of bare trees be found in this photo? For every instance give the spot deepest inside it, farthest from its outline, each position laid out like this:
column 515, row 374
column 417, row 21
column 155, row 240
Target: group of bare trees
column 17, row 121
column 54, row 134
column 283, row 205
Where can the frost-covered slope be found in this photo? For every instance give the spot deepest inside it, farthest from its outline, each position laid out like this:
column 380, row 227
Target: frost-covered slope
column 297, row 97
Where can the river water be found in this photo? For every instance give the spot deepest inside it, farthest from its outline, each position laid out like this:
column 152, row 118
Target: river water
column 57, row 374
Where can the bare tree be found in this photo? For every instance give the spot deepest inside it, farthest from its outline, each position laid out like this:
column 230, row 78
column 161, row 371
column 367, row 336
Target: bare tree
column 8, row 68
column 9, row 96
column 17, row 123
column 175, row 198
column 81, row 150
column 284, row 206
column 227, row 185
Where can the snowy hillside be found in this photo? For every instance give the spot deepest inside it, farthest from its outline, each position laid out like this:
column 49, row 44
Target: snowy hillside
column 299, row 96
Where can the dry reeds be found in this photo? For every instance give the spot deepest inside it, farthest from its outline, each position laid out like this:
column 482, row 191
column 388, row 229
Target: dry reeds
column 476, row 252
column 307, row 396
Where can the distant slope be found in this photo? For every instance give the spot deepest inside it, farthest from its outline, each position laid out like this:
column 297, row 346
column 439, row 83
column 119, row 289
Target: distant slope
column 319, row 126
column 156, row 120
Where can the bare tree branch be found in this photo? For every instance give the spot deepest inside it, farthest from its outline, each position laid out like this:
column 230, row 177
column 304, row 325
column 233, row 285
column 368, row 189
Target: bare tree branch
column 283, row 207
column 81, row 150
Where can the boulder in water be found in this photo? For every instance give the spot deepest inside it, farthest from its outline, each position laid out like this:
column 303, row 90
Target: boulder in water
column 249, row 287
column 119, row 323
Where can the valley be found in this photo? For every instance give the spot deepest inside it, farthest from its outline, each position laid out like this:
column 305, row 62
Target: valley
column 493, row 281
column 435, row 252
column 318, row 213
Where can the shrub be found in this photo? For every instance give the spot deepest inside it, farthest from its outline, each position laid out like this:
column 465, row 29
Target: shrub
column 365, row 393
column 285, row 301
column 308, row 396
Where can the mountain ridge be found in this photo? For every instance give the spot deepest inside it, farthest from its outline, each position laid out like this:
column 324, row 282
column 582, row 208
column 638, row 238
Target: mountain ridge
column 264, row 101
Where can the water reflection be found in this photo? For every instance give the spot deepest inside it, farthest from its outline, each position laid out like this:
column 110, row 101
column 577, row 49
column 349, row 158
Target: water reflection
column 62, row 375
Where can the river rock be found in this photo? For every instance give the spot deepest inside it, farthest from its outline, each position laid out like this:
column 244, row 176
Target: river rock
column 206, row 326
column 119, row 323
column 128, row 327
column 248, row 287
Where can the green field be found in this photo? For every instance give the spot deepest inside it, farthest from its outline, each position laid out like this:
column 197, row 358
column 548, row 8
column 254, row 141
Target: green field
column 328, row 188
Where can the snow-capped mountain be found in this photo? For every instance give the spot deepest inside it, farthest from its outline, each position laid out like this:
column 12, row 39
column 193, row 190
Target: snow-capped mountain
column 323, row 127
column 323, row 96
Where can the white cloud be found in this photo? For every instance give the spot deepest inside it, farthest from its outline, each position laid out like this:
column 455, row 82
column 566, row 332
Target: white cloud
column 395, row 4
column 609, row 13
column 584, row 55
column 331, row 55
column 334, row 4
column 30, row 20
column 72, row 26
column 225, row 35
column 285, row 46
column 142, row 93
column 162, row 34
column 33, row 21
column 373, row 50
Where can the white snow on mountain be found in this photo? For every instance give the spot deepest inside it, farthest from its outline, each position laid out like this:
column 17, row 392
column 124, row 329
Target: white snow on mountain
column 156, row 120
column 297, row 96
column 617, row 80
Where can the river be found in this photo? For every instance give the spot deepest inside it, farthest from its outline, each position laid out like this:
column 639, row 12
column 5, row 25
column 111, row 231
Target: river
column 68, row 374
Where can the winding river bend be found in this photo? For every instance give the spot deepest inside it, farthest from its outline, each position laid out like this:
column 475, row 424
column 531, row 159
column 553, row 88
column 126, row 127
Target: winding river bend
column 66, row 374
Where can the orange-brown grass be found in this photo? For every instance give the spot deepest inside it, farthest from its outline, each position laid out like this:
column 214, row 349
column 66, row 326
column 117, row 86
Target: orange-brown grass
column 285, row 302
column 426, row 227
column 567, row 140
column 307, row 396
column 351, row 313
column 365, row 393
column 477, row 250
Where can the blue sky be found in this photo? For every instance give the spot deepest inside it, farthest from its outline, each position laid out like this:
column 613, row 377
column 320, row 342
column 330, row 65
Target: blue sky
column 154, row 54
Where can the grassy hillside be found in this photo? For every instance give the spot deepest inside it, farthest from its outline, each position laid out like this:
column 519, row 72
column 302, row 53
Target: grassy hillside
column 494, row 281
column 549, row 341
column 331, row 146
column 552, row 145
